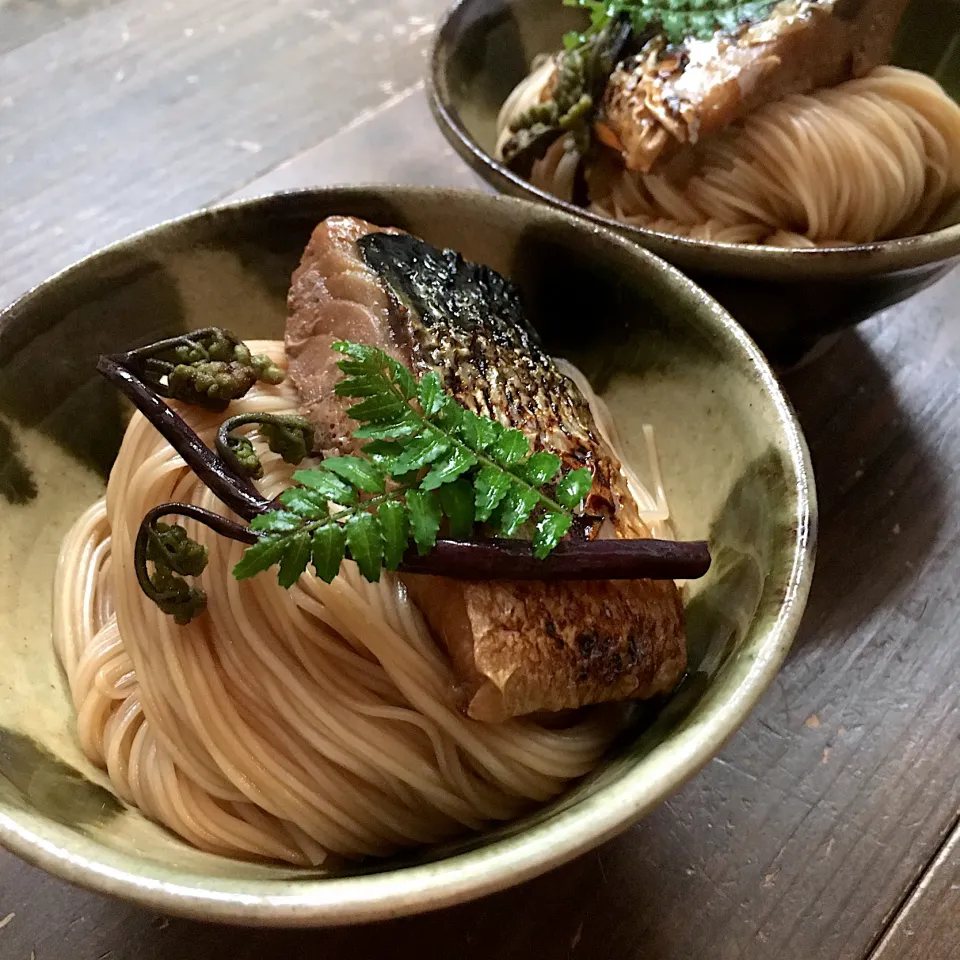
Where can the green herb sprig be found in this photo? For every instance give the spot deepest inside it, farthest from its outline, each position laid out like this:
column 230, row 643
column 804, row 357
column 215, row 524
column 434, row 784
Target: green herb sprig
column 582, row 74
column 289, row 435
column 208, row 367
column 678, row 20
column 426, row 457
column 174, row 556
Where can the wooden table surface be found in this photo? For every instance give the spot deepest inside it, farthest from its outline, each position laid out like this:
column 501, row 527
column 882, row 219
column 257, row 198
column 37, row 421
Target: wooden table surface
column 830, row 825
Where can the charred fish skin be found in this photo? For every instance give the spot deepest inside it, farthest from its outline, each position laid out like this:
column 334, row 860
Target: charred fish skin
column 466, row 322
column 670, row 95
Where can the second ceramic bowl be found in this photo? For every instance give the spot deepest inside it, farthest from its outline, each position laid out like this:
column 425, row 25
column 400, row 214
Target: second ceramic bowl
column 789, row 300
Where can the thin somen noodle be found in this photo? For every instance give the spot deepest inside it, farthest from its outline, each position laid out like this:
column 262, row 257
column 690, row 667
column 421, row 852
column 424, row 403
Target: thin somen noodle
column 653, row 504
column 286, row 725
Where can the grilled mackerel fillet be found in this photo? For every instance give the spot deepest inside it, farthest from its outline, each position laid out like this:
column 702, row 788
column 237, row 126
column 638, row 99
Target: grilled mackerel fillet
column 516, row 648
column 667, row 96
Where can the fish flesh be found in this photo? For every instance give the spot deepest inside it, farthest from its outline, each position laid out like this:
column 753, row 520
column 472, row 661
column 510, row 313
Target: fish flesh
column 334, row 296
column 516, row 647
column 670, row 95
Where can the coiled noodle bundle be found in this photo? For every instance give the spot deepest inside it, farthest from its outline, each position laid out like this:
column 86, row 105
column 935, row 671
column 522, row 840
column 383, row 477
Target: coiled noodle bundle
column 286, row 725
column 871, row 159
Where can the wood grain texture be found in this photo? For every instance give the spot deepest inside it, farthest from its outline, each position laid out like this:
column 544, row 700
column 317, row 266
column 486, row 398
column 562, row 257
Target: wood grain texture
column 928, row 926
column 810, row 835
column 24, row 20
column 397, row 143
column 144, row 110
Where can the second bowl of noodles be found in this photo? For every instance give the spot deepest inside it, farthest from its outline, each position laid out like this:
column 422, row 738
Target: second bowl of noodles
column 804, row 167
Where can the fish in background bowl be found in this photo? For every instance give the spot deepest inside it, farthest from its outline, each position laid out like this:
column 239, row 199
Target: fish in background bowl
column 230, row 749
column 800, row 160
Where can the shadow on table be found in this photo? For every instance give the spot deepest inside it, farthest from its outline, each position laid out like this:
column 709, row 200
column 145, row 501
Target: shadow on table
column 881, row 486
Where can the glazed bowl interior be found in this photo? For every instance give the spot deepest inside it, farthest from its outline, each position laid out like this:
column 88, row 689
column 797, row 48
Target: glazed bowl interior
column 484, row 47
column 661, row 352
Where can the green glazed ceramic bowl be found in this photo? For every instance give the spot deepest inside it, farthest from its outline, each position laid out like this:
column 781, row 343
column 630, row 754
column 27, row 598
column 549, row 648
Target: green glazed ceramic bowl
column 735, row 466
column 788, row 300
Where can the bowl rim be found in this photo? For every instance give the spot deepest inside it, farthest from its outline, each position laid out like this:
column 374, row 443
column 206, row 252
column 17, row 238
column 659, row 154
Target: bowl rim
column 748, row 260
column 504, row 862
